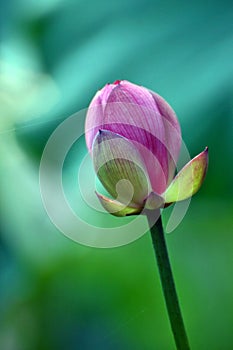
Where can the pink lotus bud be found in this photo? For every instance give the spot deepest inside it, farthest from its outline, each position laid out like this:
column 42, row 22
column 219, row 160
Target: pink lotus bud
column 134, row 138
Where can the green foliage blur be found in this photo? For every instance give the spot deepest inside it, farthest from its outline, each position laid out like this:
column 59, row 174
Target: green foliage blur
column 55, row 54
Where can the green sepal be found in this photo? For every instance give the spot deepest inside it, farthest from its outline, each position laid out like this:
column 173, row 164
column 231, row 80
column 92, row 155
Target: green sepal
column 154, row 201
column 116, row 208
column 188, row 181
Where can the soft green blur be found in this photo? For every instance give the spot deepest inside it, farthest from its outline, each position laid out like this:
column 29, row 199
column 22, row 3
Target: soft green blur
column 55, row 54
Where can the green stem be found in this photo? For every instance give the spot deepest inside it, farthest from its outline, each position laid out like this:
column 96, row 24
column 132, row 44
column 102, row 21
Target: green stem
column 168, row 284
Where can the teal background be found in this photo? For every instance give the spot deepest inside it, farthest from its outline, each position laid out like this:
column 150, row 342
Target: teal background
column 55, row 293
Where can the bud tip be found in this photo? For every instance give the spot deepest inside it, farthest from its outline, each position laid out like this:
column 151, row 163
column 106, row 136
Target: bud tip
column 117, row 82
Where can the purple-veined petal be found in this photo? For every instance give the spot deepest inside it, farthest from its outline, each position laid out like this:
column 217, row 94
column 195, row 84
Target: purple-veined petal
column 144, row 118
column 95, row 116
column 120, row 168
column 131, row 112
column 188, row 181
column 116, row 208
column 172, row 131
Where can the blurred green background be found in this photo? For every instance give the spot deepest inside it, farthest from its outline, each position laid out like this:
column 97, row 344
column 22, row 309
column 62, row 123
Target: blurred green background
column 55, row 54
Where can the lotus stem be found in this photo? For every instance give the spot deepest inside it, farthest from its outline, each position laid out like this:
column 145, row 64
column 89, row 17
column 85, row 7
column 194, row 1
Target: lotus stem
column 168, row 284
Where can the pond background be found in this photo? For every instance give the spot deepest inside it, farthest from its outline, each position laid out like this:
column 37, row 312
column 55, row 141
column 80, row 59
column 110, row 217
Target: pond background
column 55, row 293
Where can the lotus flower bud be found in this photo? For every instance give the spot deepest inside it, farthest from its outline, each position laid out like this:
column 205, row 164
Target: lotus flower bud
column 134, row 138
